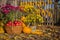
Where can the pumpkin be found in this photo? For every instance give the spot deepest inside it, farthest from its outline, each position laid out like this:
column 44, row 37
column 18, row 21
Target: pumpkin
column 27, row 30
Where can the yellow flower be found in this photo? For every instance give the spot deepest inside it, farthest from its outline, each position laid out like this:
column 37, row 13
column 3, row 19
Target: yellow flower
column 1, row 30
column 28, row 6
column 49, row 13
column 21, row 3
column 49, row 1
column 43, row 12
column 40, row 4
column 23, row 18
column 30, row 3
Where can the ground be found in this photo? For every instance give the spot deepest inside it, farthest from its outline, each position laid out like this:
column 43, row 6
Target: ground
column 50, row 33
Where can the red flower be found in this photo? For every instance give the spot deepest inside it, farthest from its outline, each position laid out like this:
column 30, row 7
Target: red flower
column 6, row 11
column 0, row 6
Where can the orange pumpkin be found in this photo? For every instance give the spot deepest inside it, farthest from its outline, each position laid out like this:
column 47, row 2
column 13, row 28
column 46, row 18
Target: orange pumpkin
column 27, row 30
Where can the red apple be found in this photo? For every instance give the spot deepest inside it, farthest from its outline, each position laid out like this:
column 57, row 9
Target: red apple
column 15, row 22
column 10, row 22
column 20, row 23
column 7, row 25
column 13, row 25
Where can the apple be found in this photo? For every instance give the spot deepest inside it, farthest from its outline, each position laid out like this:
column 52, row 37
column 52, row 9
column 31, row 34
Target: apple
column 20, row 23
column 13, row 25
column 7, row 24
column 10, row 22
column 17, row 23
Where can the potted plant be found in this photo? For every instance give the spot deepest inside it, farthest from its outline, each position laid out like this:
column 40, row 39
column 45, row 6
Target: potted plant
column 11, row 19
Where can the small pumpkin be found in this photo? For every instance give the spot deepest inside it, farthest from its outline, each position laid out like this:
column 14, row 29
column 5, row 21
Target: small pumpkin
column 27, row 30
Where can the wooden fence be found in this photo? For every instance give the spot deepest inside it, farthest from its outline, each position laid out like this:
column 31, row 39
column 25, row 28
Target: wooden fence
column 51, row 5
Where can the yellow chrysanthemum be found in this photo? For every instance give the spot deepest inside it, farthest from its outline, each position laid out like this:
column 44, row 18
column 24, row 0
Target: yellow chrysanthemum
column 1, row 30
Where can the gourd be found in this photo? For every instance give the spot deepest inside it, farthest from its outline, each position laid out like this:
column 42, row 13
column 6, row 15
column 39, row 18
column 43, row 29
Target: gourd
column 27, row 30
column 38, row 32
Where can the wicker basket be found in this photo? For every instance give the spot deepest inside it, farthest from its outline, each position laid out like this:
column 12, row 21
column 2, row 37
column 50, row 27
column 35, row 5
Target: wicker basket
column 13, row 29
